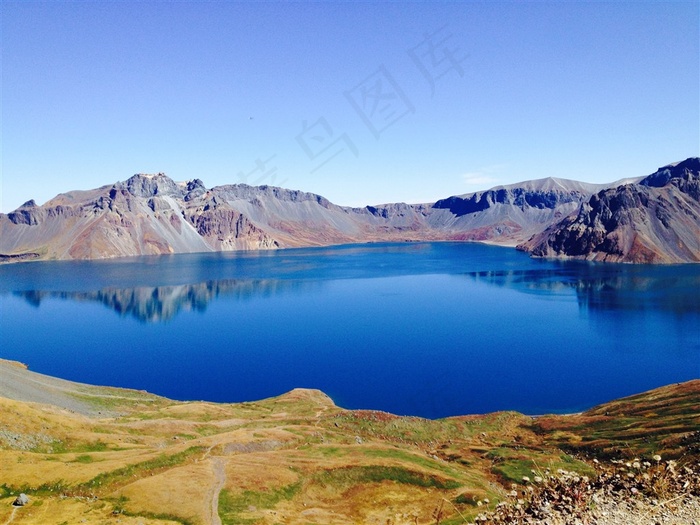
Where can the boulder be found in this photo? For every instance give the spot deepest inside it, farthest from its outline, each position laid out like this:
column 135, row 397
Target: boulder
column 21, row 500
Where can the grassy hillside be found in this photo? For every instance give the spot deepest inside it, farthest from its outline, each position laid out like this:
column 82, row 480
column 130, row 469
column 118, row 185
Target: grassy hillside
column 131, row 457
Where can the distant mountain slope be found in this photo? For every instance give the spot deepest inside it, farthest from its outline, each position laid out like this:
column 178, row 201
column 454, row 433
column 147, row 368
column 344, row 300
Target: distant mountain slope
column 654, row 221
column 147, row 214
column 152, row 214
column 513, row 212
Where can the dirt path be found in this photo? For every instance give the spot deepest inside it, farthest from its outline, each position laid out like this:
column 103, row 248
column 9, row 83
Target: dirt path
column 220, row 474
column 219, row 468
column 320, row 412
column 12, row 516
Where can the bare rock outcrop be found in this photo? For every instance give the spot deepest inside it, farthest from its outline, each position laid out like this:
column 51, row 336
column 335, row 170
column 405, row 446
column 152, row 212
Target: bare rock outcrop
column 141, row 185
column 144, row 215
column 654, row 221
column 21, row 500
column 224, row 228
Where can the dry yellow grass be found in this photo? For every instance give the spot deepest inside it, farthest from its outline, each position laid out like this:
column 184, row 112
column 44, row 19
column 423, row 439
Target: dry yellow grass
column 65, row 511
column 186, row 489
column 294, row 459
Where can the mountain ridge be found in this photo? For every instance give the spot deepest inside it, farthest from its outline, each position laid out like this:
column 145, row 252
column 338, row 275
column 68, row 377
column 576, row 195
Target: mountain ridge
column 654, row 221
column 150, row 214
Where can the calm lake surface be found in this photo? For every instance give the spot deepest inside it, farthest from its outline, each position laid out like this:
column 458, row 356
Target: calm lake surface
column 428, row 329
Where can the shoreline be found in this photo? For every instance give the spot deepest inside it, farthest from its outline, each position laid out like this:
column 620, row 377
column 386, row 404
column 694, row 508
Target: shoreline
column 502, row 468
column 33, row 387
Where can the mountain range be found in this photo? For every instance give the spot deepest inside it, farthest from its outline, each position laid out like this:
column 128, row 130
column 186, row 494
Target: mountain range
column 654, row 221
column 648, row 219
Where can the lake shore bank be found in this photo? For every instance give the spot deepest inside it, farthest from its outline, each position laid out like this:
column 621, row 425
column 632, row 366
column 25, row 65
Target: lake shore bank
column 501, row 468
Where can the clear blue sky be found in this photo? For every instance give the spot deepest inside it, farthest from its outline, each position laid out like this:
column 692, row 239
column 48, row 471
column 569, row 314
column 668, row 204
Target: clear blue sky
column 402, row 101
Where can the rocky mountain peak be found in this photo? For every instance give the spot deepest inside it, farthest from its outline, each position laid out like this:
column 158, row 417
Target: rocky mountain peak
column 149, row 185
column 193, row 189
column 195, row 184
column 259, row 194
column 663, row 175
column 540, row 194
column 655, row 221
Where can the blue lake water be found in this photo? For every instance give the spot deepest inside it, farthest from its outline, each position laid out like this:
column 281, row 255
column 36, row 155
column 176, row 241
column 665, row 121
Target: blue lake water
column 428, row 329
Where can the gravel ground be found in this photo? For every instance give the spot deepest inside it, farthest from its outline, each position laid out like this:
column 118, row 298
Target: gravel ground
column 20, row 384
column 611, row 511
column 635, row 492
column 683, row 511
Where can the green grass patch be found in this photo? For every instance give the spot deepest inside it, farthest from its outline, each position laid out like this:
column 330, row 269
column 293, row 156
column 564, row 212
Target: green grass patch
column 159, row 516
column 208, row 430
column 404, row 456
column 99, row 402
column 232, row 505
column 512, row 465
column 514, row 469
column 68, row 446
column 331, row 452
column 348, row 476
column 119, row 504
column 45, row 489
column 470, row 497
column 151, row 466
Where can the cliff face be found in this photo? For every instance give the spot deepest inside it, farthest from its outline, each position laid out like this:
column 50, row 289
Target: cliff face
column 510, row 213
column 654, row 221
column 145, row 215
column 152, row 214
column 521, row 197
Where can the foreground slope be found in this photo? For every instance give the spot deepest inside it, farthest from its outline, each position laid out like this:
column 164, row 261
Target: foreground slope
column 655, row 221
column 104, row 455
column 152, row 214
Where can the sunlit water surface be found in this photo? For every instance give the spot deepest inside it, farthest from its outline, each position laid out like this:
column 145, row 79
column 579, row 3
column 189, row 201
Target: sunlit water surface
column 429, row 329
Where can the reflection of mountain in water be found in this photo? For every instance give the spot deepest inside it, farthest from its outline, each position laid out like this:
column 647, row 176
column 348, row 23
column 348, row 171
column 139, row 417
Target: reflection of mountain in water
column 609, row 287
column 161, row 303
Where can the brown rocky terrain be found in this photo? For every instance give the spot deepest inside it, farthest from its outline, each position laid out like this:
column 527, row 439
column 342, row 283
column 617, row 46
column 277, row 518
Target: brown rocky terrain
column 97, row 455
column 651, row 220
column 152, row 214
column 654, row 221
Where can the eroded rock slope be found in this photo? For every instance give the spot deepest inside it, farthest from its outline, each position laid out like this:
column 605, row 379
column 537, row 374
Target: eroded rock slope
column 654, row 221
